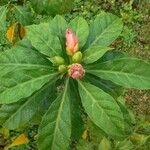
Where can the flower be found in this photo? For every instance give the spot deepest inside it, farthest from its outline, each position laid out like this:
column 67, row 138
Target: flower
column 76, row 71
column 72, row 44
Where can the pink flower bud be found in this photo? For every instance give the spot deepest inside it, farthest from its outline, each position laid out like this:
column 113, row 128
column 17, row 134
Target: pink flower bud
column 72, row 45
column 76, row 71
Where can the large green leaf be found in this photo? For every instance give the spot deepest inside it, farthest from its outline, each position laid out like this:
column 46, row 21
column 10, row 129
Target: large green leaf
column 76, row 115
column 16, row 115
column 110, row 55
column 102, row 109
column 55, row 129
column 104, row 30
column 58, row 27
column 80, row 27
column 93, row 53
column 43, row 40
column 22, row 72
column 109, row 87
column 127, row 72
column 3, row 11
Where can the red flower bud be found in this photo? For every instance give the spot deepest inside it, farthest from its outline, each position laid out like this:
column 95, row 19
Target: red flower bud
column 76, row 71
column 72, row 45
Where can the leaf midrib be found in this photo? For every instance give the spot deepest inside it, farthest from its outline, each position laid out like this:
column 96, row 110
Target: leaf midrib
column 24, row 65
column 105, row 31
column 31, row 80
column 119, row 59
column 59, row 114
column 91, row 57
column 118, row 72
column 25, row 104
column 95, row 101
column 45, row 42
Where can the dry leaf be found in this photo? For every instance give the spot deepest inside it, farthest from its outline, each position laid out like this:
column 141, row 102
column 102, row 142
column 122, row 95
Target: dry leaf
column 10, row 33
column 15, row 32
column 21, row 139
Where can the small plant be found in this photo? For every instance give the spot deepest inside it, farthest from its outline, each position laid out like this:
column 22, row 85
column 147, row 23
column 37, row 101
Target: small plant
column 61, row 71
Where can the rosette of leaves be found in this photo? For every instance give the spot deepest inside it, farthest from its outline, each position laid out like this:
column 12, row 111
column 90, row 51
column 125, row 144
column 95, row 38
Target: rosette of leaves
column 52, row 7
column 28, row 81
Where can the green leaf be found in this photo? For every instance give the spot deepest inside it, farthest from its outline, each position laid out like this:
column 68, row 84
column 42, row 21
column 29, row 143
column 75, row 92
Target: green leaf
column 84, row 145
column 55, row 129
column 23, row 15
column 109, row 87
column 50, row 96
column 16, row 115
column 80, row 27
column 37, row 5
column 94, row 131
column 110, row 55
column 104, row 144
column 104, row 30
column 102, row 109
column 7, row 110
column 3, row 11
column 93, row 53
column 139, row 139
column 43, row 40
column 58, row 27
column 124, row 145
column 76, row 115
column 127, row 72
column 129, row 119
column 22, row 72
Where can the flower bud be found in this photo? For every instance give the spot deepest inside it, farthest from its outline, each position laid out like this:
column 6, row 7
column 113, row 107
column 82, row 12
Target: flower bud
column 76, row 71
column 57, row 60
column 72, row 44
column 62, row 69
column 77, row 57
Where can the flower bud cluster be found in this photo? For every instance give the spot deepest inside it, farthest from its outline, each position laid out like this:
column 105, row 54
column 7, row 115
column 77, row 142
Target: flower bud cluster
column 74, row 70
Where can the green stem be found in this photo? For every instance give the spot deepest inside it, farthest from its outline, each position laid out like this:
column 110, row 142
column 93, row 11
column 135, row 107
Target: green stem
column 70, row 59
